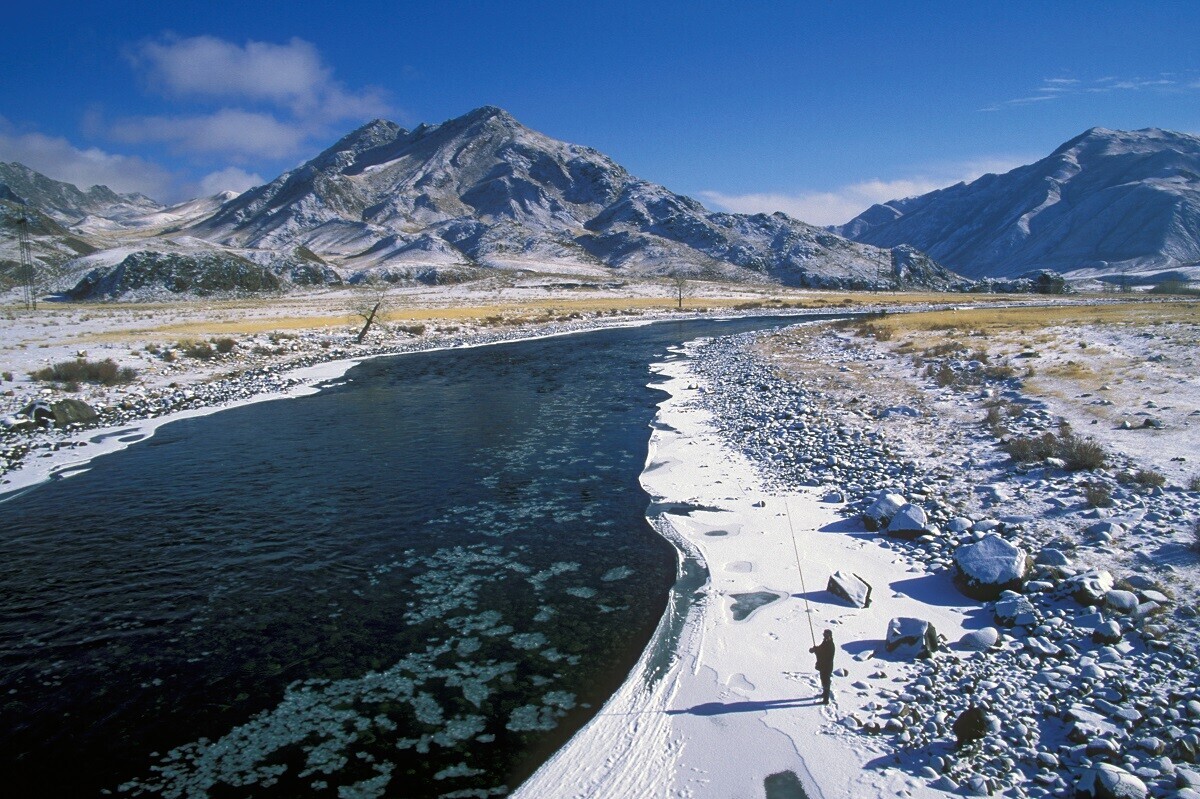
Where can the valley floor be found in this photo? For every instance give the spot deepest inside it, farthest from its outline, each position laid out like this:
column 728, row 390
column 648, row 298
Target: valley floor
column 782, row 438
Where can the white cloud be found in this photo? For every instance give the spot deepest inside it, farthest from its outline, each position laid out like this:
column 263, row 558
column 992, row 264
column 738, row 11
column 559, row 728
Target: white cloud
column 57, row 158
column 844, row 203
column 273, row 100
column 229, row 131
column 290, row 75
column 229, row 179
column 1054, row 88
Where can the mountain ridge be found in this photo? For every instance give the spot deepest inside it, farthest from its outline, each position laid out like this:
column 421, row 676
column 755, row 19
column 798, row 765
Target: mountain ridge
column 442, row 203
column 1105, row 202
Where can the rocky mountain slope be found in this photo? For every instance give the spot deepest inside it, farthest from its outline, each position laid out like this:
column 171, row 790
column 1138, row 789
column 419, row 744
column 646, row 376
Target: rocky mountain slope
column 64, row 202
column 1104, row 203
column 438, row 203
column 482, row 190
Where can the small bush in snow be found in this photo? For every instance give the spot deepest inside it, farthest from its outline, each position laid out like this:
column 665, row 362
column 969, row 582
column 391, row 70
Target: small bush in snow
column 72, row 373
column 1098, row 495
column 1193, row 484
column 225, row 345
column 1079, row 453
column 1148, row 478
column 200, row 350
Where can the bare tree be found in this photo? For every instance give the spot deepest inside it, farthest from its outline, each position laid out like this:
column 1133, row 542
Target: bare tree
column 369, row 305
column 682, row 289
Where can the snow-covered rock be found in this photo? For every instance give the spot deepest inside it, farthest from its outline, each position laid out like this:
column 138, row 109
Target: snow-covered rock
column 911, row 638
column 851, row 588
column 908, row 522
column 879, row 513
column 989, row 566
column 1106, row 781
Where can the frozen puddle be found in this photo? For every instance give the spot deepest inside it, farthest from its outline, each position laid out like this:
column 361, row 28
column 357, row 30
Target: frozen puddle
column 744, row 605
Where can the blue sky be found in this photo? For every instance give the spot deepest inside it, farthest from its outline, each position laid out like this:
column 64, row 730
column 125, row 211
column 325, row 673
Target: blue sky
column 814, row 108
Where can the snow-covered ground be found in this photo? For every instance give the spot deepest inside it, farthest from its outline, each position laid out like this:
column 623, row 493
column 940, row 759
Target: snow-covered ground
column 725, row 704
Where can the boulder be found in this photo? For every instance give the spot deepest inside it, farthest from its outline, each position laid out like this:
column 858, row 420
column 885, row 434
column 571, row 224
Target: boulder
column 881, row 511
column 987, row 567
column 908, row 522
column 911, row 638
column 1013, row 609
column 1091, row 587
column 1121, row 601
column 959, row 524
column 61, row 413
column 1106, row 781
column 980, row 640
column 851, row 588
column 1049, row 556
column 973, row 724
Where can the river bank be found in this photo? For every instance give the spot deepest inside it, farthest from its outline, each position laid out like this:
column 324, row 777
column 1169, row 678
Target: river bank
column 1088, row 675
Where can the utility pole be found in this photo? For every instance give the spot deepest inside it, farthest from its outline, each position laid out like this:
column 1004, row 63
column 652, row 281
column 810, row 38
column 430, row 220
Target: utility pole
column 27, row 274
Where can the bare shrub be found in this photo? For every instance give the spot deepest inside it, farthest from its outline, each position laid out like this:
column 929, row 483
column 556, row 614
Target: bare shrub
column 1081, row 453
column 878, row 332
column 200, row 350
column 1033, row 448
column 944, row 375
column 1148, row 478
column 72, row 373
column 1098, row 495
column 1000, row 372
column 225, row 345
column 1077, row 452
column 995, row 420
column 1193, row 484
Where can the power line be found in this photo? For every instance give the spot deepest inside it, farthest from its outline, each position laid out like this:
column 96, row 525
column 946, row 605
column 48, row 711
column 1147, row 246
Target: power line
column 26, row 255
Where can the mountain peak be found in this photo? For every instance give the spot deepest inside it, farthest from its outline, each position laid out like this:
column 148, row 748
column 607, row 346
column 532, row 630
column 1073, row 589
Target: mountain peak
column 487, row 112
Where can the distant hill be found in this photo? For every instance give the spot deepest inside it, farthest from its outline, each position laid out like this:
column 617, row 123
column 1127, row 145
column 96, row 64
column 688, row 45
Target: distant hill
column 65, row 202
column 1104, row 203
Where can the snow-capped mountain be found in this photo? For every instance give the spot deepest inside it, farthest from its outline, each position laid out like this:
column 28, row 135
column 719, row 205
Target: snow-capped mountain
column 482, row 190
column 65, row 202
column 1106, row 202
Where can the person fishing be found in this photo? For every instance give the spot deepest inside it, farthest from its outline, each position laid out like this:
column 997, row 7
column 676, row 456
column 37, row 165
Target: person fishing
column 824, row 652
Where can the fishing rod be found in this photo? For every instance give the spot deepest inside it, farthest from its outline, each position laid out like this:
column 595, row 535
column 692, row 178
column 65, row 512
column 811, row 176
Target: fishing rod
column 799, row 567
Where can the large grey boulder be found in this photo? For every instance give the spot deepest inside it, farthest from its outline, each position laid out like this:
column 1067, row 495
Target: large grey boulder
column 985, row 568
column 880, row 512
column 909, row 522
column 1106, row 781
column 851, row 588
column 61, row 413
column 911, row 638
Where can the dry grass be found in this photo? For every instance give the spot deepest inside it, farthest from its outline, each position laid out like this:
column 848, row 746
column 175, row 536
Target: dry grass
column 990, row 321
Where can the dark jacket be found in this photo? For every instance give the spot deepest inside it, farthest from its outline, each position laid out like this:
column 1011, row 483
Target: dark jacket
column 824, row 652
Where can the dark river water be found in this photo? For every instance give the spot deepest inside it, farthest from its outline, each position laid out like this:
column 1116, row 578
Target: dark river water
column 418, row 582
